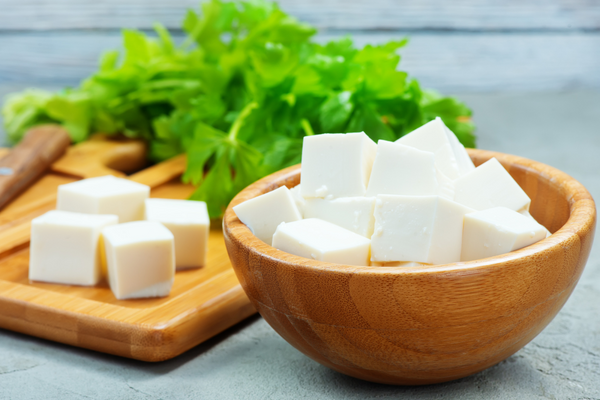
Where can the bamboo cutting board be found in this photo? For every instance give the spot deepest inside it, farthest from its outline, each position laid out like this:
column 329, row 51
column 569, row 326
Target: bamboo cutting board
column 202, row 303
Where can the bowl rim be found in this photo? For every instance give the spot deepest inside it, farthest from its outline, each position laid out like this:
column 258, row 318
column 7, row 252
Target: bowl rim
column 582, row 216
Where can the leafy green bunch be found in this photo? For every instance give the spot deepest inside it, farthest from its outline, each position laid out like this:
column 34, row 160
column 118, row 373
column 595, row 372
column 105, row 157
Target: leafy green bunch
column 238, row 95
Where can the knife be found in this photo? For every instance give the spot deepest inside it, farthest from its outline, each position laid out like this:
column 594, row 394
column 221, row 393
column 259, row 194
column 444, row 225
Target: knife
column 30, row 159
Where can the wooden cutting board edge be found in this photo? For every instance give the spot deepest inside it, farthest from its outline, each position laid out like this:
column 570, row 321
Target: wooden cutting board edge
column 156, row 339
column 150, row 334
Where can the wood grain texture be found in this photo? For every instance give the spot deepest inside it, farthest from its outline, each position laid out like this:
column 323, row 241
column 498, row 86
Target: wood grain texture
column 30, row 159
column 326, row 14
column 202, row 302
column 4, row 151
column 421, row 325
column 449, row 62
column 100, row 156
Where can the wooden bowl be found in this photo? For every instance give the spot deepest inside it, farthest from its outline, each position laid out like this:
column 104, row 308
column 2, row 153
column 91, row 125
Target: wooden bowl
column 421, row 325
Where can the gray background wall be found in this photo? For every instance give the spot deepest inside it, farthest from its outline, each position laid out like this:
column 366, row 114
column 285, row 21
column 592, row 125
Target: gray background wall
column 456, row 46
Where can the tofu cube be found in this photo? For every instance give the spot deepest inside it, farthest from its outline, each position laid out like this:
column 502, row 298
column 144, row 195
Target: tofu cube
column 337, row 165
column 451, row 158
column 445, row 185
column 402, row 170
column 300, row 201
column 425, row 229
column 104, row 195
column 526, row 213
column 264, row 213
column 352, row 213
column 65, row 247
column 140, row 257
column 463, row 161
column 321, row 240
column 489, row 186
column 189, row 223
column 497, row 231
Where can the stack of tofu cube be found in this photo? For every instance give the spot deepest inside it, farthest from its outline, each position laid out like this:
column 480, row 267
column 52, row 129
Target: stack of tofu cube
column 418, row 200
column 108, row 225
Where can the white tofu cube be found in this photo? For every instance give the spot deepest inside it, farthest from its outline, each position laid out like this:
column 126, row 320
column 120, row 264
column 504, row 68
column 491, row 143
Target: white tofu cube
column 189, row 223
column 463, row 161
column 489, row 186
column 321, row 240
column 526, row 213
column 104, row 195
column 140, row 257
column 337, row 165
column 300, row 201
column 65, row 247
column 426, row 229
column 352, row 213
column 451, row 158
column 445, row 185
column 402, row 170
column 264, row 213
column 497, row 231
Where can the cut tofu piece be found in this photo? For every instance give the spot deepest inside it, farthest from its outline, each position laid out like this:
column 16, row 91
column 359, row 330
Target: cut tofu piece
column 525, row 213
column 140, row 258
column 445, row 185
column 189, row 223
column 300, row 201
column 104, row 195
column 451, row 158
column 65, row 247
column 337, row 165
column 264, row 213
column 463, row 161
column 397, row 264
column 497, row 231
column 426, row 229
column 489, row 186
column 352, row 213
column 402, row 170
column 321, row 240
column 528, row 215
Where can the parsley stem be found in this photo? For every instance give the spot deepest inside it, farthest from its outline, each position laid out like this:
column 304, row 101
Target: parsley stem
column 306, row 126
column 239, row 121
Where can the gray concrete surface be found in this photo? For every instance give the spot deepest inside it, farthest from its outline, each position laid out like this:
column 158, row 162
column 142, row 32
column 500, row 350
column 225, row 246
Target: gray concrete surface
column 250, row 361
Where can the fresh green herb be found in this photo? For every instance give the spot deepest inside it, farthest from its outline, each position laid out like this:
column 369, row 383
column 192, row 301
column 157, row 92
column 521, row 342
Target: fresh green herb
column 247, row 84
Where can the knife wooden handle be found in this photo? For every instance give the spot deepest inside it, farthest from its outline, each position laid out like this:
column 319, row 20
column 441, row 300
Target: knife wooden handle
column 27, row 161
